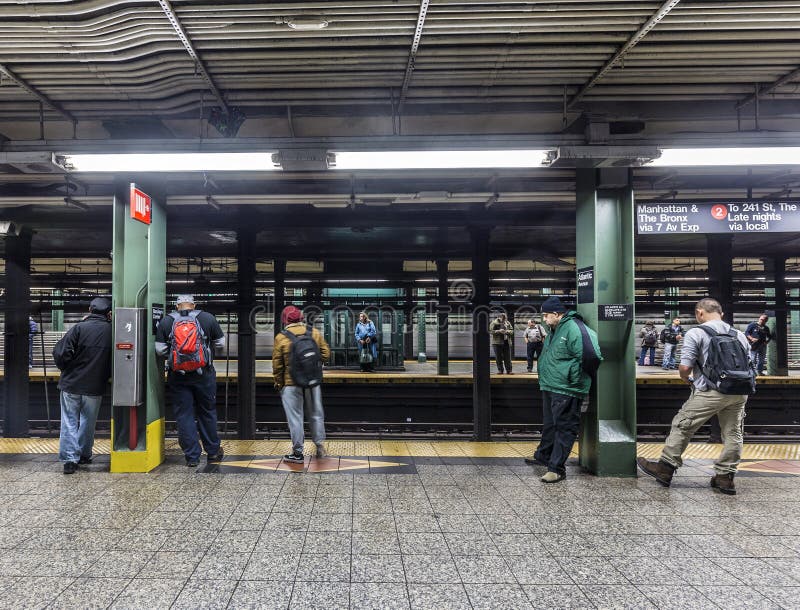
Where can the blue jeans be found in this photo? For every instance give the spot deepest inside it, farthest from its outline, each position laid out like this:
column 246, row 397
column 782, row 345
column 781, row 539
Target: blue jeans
column 643, row 353
column 78, row 417
column 293, row 398
column 560, row 423
column 196, row 399
column 668, row 361
column 759, row 358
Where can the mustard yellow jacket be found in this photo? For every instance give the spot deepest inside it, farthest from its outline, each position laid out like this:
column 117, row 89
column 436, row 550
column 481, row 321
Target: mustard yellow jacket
column 283, row 346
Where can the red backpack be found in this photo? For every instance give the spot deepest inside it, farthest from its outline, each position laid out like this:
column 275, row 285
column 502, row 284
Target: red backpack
column 188, row 349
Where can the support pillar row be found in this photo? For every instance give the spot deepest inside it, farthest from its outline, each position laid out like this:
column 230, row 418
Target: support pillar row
column 16, row 385
column 443, row 319
column 604, row 235
column 246, row 334
column 481, row 377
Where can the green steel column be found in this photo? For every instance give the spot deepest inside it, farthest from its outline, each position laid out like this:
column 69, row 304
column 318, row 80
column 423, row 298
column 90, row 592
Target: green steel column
column 421, row 328
column 604, row 235
column 672, row 309
column 57, row 315
column 777, row 349
column 139, row 270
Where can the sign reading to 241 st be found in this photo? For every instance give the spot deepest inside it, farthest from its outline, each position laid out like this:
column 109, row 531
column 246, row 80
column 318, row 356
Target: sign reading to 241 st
column 725, row 217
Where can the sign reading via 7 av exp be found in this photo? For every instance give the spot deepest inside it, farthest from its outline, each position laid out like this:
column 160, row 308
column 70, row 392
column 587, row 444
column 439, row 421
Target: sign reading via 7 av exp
column 724, row 217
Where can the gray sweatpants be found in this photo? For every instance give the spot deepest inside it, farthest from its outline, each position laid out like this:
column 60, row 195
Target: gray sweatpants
column 293, row 398
column 696, row 411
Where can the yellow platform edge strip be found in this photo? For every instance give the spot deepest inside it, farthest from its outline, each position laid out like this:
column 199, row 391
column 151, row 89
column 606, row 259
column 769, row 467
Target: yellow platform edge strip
column 144, row 461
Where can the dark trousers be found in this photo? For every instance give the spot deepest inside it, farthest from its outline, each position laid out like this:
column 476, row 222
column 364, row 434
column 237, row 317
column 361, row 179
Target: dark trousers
column 560, row 423
column 196, row 399
column 534, row 351
column 502, row 356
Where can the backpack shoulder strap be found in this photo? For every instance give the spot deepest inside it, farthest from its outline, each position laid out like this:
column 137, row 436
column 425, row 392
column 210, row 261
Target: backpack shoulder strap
column 709, row 331
column 290, row 335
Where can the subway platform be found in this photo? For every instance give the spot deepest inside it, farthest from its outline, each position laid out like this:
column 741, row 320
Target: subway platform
column 399, row 524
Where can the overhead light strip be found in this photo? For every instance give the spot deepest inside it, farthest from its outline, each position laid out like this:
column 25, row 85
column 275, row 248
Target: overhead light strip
column 711, row 157
column 439, row 159
column 170, row 162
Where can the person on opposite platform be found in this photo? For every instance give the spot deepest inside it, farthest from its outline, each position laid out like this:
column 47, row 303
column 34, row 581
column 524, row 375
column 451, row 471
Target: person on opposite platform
column 502, row 334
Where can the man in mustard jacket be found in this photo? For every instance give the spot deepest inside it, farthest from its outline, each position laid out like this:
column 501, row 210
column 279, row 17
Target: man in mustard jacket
column 564, row 385
column 293, row 396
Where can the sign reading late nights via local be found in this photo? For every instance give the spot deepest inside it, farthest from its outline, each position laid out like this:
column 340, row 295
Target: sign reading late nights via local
column 724, row 217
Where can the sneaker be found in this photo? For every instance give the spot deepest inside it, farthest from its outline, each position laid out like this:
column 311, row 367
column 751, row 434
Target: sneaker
column 294, row 458
column 509, row 373
column 534, row 461
column 529, row 370
column 321, row 453
column 216, row 458
column 724, row 483
column 85, row 460
column 192, row 463
column 660, row 471
column 70, row 468
column 553, row 477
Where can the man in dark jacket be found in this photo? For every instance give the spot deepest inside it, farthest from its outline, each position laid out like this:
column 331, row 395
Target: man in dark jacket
column 502, row 334
column 84, row 357
column 194, row 393
column 564, row 386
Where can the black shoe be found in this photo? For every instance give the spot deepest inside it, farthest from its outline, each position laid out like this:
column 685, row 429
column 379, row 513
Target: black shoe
column 85, row 460
column 217, row 457
column 534, row 461
column 70, row 468
column 294, row 458
column 192, row 463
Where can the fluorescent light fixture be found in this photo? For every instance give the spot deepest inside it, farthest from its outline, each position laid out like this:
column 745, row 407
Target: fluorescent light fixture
column 169, row 162
column 305, row 24
column 438, row 159
column 687, row 157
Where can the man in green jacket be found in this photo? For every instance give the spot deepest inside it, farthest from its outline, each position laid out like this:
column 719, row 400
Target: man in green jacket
column 564, row 385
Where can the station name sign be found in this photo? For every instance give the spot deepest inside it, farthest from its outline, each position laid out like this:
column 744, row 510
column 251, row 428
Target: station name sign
column 724, row 217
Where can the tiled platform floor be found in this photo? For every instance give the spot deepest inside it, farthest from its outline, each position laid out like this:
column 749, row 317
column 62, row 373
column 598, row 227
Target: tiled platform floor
column 448, row 532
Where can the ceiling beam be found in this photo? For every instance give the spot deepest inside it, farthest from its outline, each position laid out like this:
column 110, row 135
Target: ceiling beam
column 767, row 89
column 37, row 94
column 423, row 11
column 632, row 42
column 201, row 68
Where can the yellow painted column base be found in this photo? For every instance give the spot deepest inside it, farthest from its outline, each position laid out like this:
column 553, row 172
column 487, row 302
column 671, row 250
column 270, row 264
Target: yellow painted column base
column 141, row 461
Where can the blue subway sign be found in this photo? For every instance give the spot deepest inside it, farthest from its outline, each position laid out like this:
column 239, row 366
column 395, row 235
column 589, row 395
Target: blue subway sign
column 723, row 217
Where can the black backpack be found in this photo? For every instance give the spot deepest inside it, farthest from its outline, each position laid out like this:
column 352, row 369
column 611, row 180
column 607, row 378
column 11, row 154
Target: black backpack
column 728, row 368
column 590, row 359
column 305, row 362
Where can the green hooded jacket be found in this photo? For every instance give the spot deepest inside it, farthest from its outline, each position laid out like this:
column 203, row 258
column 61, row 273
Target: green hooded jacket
column 560, row 369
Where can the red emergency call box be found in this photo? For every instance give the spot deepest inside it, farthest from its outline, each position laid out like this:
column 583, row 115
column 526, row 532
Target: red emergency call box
column 141, row 209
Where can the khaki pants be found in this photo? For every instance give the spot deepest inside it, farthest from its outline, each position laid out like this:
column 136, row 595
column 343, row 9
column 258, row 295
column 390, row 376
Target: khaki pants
column 696, row 411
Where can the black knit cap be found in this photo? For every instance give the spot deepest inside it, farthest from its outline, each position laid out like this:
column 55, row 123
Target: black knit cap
column 553, row 305
column 100, row 305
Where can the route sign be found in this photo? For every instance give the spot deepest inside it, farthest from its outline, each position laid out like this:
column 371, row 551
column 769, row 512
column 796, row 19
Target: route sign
column 722, row 217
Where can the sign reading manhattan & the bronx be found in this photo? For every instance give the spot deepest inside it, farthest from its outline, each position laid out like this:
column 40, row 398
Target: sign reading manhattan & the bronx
column 728, row 217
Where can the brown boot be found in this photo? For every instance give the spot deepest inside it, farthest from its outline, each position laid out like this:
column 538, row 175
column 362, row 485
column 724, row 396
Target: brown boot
column 660, row 471
column 724, row 482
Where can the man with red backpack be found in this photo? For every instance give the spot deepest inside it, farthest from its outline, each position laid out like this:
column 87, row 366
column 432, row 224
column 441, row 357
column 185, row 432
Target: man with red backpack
column 187, row 338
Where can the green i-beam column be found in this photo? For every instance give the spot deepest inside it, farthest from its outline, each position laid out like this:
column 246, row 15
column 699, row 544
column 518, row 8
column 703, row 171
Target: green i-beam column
column 604, row 258
column 139, row 281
